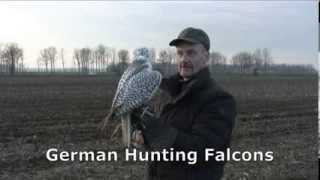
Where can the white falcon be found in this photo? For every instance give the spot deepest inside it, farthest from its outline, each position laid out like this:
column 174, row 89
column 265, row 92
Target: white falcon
column 136, row 87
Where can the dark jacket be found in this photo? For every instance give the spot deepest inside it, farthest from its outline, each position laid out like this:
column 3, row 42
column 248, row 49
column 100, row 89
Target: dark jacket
column 201, row 115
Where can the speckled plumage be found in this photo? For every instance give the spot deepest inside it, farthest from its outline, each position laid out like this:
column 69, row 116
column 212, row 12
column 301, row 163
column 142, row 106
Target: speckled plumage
column 136, row 86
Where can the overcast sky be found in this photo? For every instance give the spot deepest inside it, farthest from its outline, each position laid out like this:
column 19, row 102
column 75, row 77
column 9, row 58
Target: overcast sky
column 288, row 29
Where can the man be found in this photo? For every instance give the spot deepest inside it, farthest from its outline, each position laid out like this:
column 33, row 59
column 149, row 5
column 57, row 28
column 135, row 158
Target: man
column 199, row 114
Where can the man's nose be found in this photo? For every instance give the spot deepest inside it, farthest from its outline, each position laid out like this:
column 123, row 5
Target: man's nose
column 184, row 58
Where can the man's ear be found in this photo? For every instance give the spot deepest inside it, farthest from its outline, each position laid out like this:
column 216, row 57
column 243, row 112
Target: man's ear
column 207, row 57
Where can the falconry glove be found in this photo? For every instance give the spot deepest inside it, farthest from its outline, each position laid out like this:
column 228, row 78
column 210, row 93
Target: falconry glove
column 157, row 134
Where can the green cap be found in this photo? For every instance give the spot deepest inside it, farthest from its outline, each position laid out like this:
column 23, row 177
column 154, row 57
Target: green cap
column 194, row 36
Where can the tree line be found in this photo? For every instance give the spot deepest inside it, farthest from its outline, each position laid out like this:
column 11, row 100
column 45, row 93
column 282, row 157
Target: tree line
column 102, row 59
column 11, row 58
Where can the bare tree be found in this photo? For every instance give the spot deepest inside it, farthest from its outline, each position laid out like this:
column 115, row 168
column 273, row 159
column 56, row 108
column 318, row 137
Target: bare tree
column 112, row 58
column 101, row 56
column 162, row 60
column 62, row 53
column 21, row 64
column 39, row 60
column 12, row 55
column 77, row 59
column 243, row 60
column 108, row 56
column 82, row 58
column 217, row 58
column 52, row 54
column 266, row 59
column 257, row 58
column 48, row 57
column 85, row 54
column 166, row 60
column 152, row 55
column 217, row 61
column 92, row 61
column 44, row 58
column 95, row 60
column 163, row 57
column 2, row 61
column 113, row 53
column 123, row 56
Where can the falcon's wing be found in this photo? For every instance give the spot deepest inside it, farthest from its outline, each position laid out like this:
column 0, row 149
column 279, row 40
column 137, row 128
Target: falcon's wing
column 140, row 89
column 133, row 69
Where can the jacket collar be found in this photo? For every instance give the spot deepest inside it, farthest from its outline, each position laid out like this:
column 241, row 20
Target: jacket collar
column 179, row 89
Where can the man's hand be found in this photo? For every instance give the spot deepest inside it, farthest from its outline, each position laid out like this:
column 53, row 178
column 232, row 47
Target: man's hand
column 154, row 132
column 138, row 116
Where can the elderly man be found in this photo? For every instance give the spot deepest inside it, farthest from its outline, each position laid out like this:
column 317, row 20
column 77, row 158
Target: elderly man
column 198, row 115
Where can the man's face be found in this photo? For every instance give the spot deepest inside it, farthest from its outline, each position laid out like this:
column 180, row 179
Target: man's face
column 191, row 59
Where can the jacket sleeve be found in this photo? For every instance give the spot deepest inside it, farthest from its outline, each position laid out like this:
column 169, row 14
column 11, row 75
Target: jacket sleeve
column 211, row 128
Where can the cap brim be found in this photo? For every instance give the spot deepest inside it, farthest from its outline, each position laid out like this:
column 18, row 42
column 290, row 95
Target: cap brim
column 177, row 41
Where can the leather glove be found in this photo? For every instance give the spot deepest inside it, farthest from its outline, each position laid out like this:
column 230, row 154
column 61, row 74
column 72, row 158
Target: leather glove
column 157, row 134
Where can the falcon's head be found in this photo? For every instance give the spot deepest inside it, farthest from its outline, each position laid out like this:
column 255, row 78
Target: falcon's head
column 142, row 56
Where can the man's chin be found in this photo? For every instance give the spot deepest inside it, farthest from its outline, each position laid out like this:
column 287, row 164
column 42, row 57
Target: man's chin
column 186, row 75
